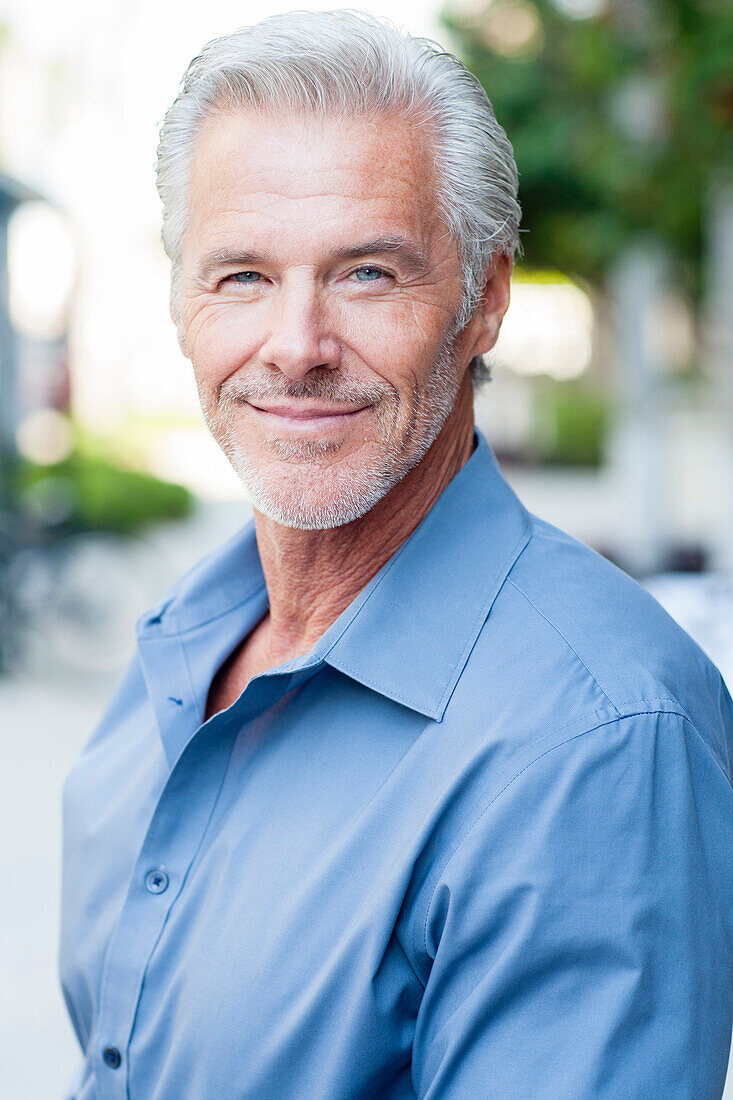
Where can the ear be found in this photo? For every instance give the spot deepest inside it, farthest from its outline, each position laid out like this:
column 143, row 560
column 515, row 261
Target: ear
column 485, row 324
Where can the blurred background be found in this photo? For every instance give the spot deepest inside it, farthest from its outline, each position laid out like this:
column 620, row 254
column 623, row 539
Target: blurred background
column 610, row 408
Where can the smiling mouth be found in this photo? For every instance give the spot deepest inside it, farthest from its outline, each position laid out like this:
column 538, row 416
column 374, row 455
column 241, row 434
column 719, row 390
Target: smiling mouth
column 302, row 415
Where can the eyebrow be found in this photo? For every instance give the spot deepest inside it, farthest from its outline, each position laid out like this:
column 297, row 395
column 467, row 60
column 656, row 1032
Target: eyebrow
column 414, row 260
column 228, row 257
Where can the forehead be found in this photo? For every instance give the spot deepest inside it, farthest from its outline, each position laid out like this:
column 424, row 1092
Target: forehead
column 320, row 177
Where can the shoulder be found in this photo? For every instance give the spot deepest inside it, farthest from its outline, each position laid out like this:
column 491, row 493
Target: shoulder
column 572, row 640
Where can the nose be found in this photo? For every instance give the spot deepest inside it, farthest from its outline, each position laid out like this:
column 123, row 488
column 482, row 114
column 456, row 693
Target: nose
column 299, row 336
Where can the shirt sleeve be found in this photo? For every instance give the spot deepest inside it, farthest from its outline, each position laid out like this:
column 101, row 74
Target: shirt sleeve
column 578, row 933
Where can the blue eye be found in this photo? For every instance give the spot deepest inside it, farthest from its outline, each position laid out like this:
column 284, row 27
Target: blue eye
column 368, row 274
column 246, row 276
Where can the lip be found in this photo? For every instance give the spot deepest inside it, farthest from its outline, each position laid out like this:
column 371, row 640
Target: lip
column 298, row 415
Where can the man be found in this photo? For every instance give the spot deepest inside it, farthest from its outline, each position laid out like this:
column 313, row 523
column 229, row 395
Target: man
column 406, row 793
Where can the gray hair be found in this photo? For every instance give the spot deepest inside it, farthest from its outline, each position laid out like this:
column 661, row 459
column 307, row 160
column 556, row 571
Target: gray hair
column 351, row 63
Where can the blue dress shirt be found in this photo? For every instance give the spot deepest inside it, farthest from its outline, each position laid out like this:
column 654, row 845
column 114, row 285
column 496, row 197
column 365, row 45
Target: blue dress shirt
column 474, row 845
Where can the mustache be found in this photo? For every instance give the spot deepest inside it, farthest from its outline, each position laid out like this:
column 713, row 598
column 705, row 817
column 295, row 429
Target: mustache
column 316, row 387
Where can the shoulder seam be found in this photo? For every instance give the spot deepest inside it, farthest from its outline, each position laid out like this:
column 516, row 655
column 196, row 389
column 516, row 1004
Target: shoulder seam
column 570, row 646
column 659, row 711
column 705, row 745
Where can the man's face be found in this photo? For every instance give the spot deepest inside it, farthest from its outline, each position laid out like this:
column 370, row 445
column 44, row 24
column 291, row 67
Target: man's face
column 319, row 294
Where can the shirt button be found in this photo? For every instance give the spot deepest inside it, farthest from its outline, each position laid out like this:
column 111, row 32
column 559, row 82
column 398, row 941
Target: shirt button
column 156, row 881
column 112, row 1057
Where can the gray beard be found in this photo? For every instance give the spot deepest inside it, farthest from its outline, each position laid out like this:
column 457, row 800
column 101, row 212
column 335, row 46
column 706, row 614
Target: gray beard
column 334, row 498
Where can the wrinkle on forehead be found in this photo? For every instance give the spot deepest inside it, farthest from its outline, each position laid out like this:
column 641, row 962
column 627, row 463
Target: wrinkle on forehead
column 246, row 164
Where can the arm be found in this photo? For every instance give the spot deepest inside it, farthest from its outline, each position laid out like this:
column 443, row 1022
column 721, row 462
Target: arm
column 578, row 932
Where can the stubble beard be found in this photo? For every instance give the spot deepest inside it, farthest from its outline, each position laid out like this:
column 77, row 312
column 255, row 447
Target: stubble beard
column 304, row 485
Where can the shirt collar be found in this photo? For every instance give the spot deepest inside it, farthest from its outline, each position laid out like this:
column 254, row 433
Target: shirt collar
column 408, row 634
column 411, row 631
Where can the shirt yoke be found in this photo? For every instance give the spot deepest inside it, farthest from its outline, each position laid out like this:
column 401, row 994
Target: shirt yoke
column 619, row 636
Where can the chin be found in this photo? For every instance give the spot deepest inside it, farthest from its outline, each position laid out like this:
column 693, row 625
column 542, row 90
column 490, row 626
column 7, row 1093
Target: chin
column 315, row 498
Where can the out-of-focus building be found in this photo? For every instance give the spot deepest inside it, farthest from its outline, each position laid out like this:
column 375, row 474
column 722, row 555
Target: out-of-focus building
column 34, row 361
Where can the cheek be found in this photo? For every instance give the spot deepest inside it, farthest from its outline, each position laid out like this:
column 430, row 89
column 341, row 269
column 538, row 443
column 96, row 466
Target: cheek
column 392, row 342
column 221, row 340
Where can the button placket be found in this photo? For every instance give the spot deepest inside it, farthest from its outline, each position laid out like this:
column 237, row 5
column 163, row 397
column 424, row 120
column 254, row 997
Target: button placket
column 198, row 755
column 176, row 829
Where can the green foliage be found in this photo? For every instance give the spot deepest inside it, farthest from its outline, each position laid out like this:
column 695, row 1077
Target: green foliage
column 572, row 420
column 89, row 491
column 617, row 121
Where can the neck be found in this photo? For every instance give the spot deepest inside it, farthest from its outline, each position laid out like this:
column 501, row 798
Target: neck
column 312, row 576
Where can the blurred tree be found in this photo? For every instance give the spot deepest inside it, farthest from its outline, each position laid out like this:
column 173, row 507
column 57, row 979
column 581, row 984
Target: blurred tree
column 572, row 421
column 618, row 110
column 90, row 490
